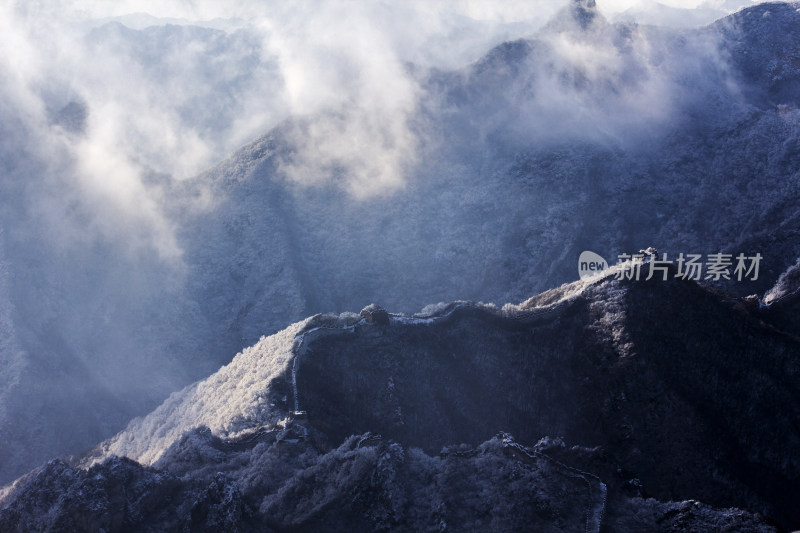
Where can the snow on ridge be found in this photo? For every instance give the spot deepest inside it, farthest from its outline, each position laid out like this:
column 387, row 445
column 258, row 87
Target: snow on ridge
column 233, row 399
column 787, row 286
column 567, row 292
column 237, row 397
column 229, row 401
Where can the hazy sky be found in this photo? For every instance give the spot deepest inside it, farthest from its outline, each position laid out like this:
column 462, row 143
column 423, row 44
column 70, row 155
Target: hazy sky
column 502, row 10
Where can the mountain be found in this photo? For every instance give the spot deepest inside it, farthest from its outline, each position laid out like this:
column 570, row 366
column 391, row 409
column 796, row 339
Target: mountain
column 533, row 155
column 630, row 403
column 587, row 136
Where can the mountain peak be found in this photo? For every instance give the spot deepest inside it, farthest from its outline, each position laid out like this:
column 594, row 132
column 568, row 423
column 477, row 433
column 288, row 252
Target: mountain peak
column 588, row 7
column 584, row 12
column 578, row 17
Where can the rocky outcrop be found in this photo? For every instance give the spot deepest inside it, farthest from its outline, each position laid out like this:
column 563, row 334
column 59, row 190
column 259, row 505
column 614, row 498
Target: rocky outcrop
column 375, row 314
column 366, row 484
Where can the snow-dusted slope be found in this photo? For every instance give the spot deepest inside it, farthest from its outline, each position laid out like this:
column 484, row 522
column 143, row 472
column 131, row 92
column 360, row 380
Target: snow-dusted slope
column 258, row 389
column 240, row 396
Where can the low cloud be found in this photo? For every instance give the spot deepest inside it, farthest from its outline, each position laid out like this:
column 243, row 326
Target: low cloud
column 173, row 102
column 118, row 114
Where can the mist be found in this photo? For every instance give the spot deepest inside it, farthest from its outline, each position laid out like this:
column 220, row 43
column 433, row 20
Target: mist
column 129, row 104
column 140, row 248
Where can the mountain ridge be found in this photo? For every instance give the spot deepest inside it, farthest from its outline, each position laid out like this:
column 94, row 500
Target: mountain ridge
column 577, row 363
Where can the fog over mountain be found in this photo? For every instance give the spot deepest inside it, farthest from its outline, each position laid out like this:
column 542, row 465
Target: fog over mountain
column 179, row 182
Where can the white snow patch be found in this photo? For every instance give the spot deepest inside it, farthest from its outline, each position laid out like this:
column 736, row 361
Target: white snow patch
column 227, row 402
